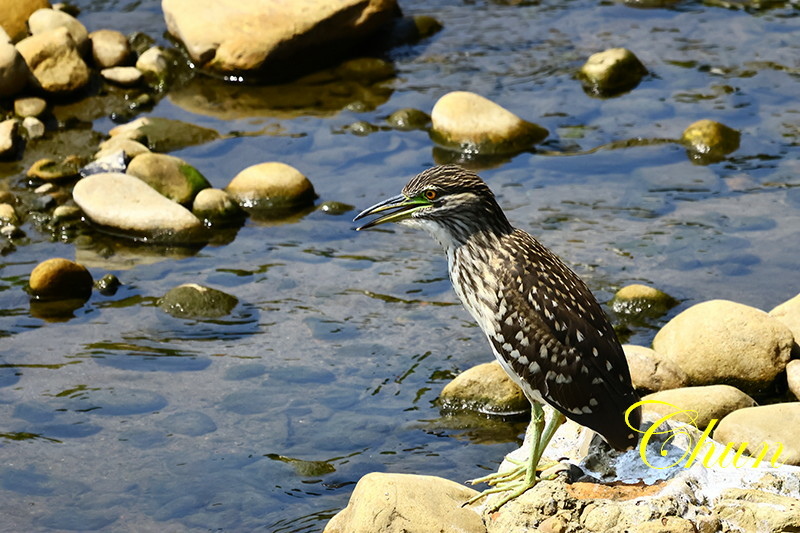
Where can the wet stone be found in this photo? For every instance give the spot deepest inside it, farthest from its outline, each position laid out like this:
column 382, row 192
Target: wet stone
column 163, row 134
column 271, row 185
column 60, row 279
column 641, row 300
column 611, row 72
column 124, row 76
column 169, row 175
column 34, row 128
column 50, row 170
column 708, row 141
column 114, row 145
column 216, row 205
column 108, row 285
column 153, row 63
column 8, row 214
column 409, row 119
column 110, row 48
column 30, row 106
column 195, row 301
column 484, row 388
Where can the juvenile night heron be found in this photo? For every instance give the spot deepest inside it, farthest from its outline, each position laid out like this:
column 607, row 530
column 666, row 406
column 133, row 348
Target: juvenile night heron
column 544, row 325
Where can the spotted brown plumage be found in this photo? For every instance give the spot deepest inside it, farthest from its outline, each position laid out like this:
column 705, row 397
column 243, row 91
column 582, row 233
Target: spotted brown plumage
column 543, row 323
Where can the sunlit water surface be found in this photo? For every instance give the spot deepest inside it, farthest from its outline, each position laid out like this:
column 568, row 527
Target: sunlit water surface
column 123, row 418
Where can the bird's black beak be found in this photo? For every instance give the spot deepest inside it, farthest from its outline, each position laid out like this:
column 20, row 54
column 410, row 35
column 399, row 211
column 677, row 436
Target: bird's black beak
column 403, row 208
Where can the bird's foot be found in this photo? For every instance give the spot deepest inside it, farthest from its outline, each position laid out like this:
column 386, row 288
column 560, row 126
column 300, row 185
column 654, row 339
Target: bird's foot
column 509, row 482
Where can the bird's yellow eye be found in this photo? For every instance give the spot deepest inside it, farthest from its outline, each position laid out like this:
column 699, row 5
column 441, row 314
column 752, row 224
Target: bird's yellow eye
column 430, row 194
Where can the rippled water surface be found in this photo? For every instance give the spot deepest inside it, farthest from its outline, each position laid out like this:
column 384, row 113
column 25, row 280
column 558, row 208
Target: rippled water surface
column 123, row 418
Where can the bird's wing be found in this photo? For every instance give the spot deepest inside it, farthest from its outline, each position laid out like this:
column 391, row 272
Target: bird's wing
column 555, row 336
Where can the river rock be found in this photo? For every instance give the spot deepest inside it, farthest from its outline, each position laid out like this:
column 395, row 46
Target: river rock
column 110, row 48
column 409, row 119
column 16, row 14
column 171, row 176
column 8, row 215
column 707, row 403
column 9, row 137
column 124, row 76
column 248, row 35
column 29, row 107
column 45, row 20
column 215, row 205
column 793, row 377
column 60, row 279
column 708, row 141
column 195, row 301
column 33, row 127
column 154, row 64
column 406, row 503
column 611, row 72
column 777, row 424
column 650, row 371
column 54, row 60
column 757, row 510
column 484, row 388
column 130, row 205
column 113, row 145
column 789, row 313
column 641, row 300
column 14, row 70
column 726, row 342
column 467, row 122
column 163, row 134
column 51, row 170
column 271, row 185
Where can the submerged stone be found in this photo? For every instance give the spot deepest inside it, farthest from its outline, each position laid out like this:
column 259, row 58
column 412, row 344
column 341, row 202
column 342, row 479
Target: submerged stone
column 196, row 301
column 467, row 122
column 708, row 141
column 409, row 119
column 641, row 300
column 164, row 134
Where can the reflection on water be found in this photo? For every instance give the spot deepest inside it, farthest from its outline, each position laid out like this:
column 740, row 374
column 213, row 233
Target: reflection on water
column 120, row 416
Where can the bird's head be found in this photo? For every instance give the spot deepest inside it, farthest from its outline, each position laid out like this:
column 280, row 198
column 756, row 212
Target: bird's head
column 444, row 198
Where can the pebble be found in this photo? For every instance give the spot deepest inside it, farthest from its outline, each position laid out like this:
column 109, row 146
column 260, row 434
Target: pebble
column 153, row 63
column 407, row 502
column 196, row 301
column 110, row 48
column 611, row 72
column 50, row 170
column 215, row 205
column 9, row 137
column 467, row 122
column 8, row 214
column 60, row 279
column 169, row 175
column 409, row 119
column 708, row 141
column 771, row 424
column 66, row 212
column 650, row 371
column 484, row 388
column 29, row 106
column 108, row 161
column 128, row 204
column 108, row 285
column 707, row 403
column 45, row 20
column 640, row 300
column 719, row 341
column 271, row 185
column 34, row 128
column 55, row 62
column 124, row 76
column 13, row 70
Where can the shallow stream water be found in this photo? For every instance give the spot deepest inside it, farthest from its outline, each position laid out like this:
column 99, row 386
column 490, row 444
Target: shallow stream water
column 123, row 418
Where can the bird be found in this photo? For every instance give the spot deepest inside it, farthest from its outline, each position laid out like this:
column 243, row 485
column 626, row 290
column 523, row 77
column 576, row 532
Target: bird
column 544, row 326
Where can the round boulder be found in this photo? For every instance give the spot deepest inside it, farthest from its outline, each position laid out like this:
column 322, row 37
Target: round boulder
column 777, row 426
column 726, row 342
column 110, row 48
column 129, row 205
column 611, row 72
column 60, row 279
column 195, row 301
column 395, row 503
column 55, row 62
column 467, row 122
column 271, row 185
column 171, row 176
column 652, row 372
column 641, row 300
column 708, row 141
column 484, row 388
column 703, row 403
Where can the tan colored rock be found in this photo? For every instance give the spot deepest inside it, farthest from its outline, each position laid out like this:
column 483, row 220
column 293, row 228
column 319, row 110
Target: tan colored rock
column 652, row 372
column 54, row 60
column 777, row 426
column 271, row 184
column 45, row 20
column 120, row 143
column 60, row 279
column 129, row 205
column 215, row 205
column 246, row 35
column 9, row 137
column 405, row 503
column 753, row 510
column 789, row 313
column 468, row 122
column 110, row 48
column 153, row 62
column 703, row 403
column 171, row 176
column 34, row 128
column 709, row 141
column 726, row 342
column 611, row 72
column 14, row 71
column 793, row 377
column 29, row 107
column 637, row 299
column 124, row 76
column 16, row 14
column 666, row 524
column 485, row 388
column 51, row 170
column 8, row 215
